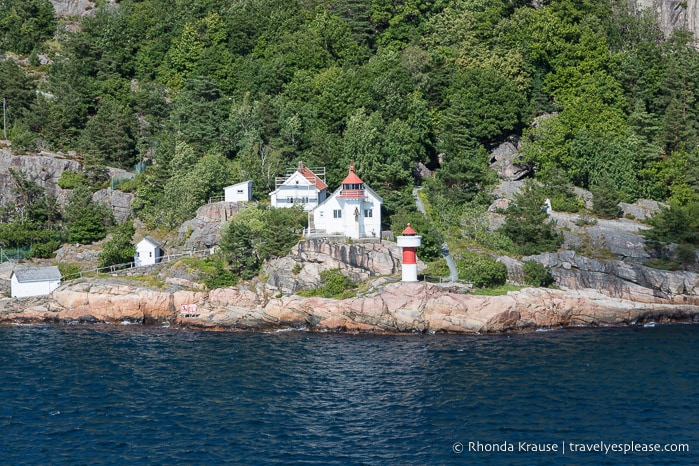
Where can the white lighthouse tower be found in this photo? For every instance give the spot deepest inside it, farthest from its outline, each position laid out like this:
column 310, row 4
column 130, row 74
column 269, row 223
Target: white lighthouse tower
column 409, row 241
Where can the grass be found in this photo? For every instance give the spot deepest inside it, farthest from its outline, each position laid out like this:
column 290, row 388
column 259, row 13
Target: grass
column 496, row 291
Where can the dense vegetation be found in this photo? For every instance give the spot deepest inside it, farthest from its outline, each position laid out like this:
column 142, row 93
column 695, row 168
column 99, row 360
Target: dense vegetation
column 208, row 92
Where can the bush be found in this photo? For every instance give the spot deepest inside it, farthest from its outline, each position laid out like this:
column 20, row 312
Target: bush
column 45, row 250
column 483, row 271
column 217, row 276
column 71, row 179
column 536, row 274
column 69, row 271
column 333, row 284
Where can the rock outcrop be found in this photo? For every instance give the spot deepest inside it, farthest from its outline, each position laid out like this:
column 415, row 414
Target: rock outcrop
column 68, row 8
column 204, row 230
column 673, row 14
column 618, row 279
column 359, row 261
column 119, row 201
column 508, row 163
column 399, row 307
column 43, row 169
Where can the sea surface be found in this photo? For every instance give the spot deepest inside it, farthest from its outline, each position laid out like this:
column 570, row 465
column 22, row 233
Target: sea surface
column 137, row 395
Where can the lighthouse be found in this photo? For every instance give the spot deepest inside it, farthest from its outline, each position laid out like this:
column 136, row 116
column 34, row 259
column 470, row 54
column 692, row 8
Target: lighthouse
column 409, row 241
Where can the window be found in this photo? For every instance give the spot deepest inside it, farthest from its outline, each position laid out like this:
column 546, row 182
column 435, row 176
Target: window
column 290, row 200
column 240, row 191
column 337, row 214
column 368, row 213
column 320, row 214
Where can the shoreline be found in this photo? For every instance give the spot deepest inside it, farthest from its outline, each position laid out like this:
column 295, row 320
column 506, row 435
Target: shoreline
column 398, row 308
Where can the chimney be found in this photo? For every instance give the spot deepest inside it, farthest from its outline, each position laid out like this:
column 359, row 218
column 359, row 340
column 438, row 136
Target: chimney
column 300, row 166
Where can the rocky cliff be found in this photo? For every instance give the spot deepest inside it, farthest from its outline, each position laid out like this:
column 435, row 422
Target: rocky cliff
column 399, row 307
column 359, row 261
column 673, row 14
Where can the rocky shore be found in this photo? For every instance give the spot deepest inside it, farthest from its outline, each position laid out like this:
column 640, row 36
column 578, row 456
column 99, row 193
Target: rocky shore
column 395, row 308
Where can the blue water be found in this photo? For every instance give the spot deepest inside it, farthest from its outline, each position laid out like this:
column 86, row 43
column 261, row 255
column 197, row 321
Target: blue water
column 139, row 395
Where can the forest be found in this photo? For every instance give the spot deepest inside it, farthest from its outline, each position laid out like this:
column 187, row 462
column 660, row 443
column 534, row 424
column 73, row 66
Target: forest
column 206, row 93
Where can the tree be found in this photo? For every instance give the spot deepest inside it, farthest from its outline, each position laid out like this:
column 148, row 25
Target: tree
column 25, row 24
column 258, row 234
column 87, row 220
column 527, row 223
column 108, row 137
column 118, row 249
column 483, row 106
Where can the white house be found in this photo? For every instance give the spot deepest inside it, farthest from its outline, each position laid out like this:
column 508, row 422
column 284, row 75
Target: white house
column 300, row 186
column 34, row 281
column 240, row 192
column 148, row 252
column 354, row 210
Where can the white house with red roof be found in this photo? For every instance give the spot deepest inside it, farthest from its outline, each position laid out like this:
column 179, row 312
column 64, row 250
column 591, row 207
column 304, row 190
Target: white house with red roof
column 300, row 186
column 354, row 210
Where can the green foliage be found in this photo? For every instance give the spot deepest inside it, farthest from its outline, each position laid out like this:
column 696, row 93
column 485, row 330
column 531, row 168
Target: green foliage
column 257, row 234
column 108, row 137
column 118, row 249
column 605, row 200
column 71, row 179
column 559, row 190
column 527, row 223
column 537, row 274
column 333, row 284
column 25, row 24
column 431, row 246
column 86, row 220
column 216, row 275
column 69, row 271
column 677, row 225
column 481, row 270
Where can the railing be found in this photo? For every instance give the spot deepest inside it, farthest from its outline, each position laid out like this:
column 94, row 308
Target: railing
column 216, row 199
column 353, row 193
column 160, row 260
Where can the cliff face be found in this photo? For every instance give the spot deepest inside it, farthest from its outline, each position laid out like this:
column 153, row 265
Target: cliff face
column 76, row 7
column 43, row 169
column 673, row 14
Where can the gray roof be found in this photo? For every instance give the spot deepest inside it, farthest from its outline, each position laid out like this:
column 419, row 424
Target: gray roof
column 37, row 274
column 152, row 241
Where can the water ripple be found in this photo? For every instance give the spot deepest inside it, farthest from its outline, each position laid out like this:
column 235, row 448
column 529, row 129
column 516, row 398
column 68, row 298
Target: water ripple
column 115, row 394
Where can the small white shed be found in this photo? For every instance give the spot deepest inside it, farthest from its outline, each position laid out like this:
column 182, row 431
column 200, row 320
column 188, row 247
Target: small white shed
column 34, row 281
column 148, row 252
column 241, row 192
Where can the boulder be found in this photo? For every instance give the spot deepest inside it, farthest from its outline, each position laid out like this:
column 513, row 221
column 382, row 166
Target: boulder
column 642, row 209
column 507, row 162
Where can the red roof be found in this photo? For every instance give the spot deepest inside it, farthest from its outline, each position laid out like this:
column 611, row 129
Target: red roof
column 352, row 178
column 409, row 231
column 312, row 177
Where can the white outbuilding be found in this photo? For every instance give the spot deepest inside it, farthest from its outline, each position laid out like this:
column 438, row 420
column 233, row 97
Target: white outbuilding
column 240, row 192
column 34, row 281
column 354, row 210
column 148, row 252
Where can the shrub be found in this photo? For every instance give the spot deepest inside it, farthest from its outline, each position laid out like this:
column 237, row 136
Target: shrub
column 483, row 271
column 69, row 271
column 71, row 179
column 333, row 284
column 536, row 274
column 217, row 276
column 45, row 250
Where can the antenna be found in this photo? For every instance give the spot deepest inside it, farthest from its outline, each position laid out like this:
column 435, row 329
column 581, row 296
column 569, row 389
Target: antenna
column 4, row 117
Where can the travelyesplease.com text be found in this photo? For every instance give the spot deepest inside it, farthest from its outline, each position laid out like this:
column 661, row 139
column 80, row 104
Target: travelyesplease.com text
column 565, row 447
